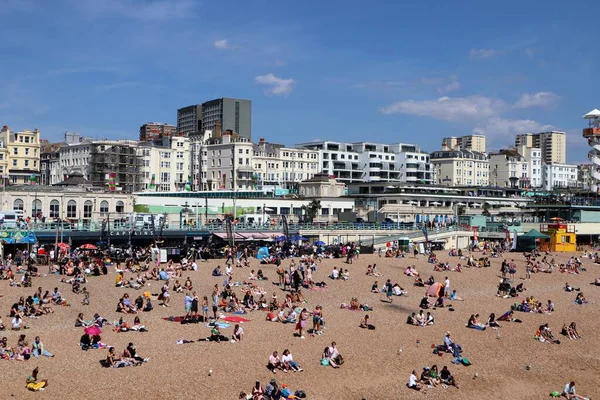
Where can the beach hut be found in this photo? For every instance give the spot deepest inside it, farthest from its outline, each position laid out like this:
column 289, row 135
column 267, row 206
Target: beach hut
column 561, row 236
column 529, row 241
column 434, row 290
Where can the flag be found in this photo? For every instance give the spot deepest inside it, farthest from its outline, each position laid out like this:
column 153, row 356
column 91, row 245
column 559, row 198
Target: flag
column 112, row 181
column 32, row 179
column 152, row 185
column 229, row 230
column 286, row 232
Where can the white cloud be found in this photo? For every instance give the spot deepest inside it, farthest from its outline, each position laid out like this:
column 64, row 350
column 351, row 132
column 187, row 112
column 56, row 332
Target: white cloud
column 222, row 44
column 484, row 53
column 450, row 87
column 277, row 86
column 503, row 129
column 450, row 109
column 540, row 99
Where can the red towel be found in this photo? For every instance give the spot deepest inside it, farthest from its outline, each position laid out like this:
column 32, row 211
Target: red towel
column 235, row 318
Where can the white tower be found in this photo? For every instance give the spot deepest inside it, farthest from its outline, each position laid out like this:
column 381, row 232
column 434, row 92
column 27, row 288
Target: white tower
column 592, row 134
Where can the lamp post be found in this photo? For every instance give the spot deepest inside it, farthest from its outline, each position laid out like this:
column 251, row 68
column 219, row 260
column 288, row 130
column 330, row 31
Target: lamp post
column 263, row 214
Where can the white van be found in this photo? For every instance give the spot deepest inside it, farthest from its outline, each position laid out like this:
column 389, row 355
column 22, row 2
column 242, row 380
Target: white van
column 254, row 219
column 8, row 219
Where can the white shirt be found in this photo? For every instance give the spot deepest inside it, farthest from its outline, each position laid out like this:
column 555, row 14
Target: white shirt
column 287, row 358
column 195, row 266
column 569, row 389
column 412, row 380
column 447, row 283
column 333, row 352
column 17, row 323
column 335, row 274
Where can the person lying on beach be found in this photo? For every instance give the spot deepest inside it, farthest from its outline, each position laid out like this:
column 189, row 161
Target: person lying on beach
column 569, row 288
column 32, row 382
column 419, row 282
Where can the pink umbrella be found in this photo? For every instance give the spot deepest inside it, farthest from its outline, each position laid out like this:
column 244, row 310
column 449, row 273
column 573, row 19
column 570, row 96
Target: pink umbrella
column 93, row 330
column 88, row 247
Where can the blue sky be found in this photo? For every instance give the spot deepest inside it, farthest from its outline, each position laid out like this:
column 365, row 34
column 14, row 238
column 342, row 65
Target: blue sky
column 385, row 71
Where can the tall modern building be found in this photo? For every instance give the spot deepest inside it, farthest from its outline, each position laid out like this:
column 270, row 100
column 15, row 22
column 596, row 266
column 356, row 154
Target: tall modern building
column 469, row 142
column 189, row 120
column 553, row 145
column 234, row 114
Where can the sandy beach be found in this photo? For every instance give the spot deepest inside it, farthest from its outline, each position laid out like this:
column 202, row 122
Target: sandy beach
column 373, row 368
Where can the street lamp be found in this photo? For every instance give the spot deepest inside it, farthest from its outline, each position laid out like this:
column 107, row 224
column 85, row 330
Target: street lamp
column 263, row 213
column 183, row 210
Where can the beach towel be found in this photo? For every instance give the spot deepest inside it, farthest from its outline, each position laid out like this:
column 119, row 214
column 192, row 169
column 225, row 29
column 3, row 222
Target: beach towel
column 235, row 318
column 219, row 325
column 174, row 319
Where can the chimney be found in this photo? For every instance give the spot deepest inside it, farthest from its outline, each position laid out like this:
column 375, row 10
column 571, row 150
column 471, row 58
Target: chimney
column 218, row 129
column 261, row 140
column 444, row 145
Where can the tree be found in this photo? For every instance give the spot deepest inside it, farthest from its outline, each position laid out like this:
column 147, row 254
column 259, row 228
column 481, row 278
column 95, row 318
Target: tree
column 311, row 210
column 486, row 209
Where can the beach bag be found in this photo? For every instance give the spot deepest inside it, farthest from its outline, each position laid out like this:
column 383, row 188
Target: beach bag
column 300, row 394
column 325, row 362
column 554, row 394
column 465, row 362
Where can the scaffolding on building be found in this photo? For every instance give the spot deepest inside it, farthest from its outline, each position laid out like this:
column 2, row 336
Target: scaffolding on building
column 123, row 158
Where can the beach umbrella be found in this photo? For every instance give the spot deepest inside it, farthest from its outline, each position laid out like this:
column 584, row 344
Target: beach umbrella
column 88, row 246
column 320, row 243
column 280, row 238
column 93, row 330
column 63, row 245
column 298, row 237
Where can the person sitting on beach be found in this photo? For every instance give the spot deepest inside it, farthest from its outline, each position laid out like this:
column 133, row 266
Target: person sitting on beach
column 32, row 382
column 507, row 316
column 335, row 358
column 137, row 325
column 419, row 281
column 474, row 323
column 177, row 288
column 274, row 362
column 454, row 296
column 426, row 377
column 429, row 320
column 447, row 378
column 424, row 303
column 364, row 323
column 413, row 382
column 569, row 392
column 492, row 321
column 217, row 271
column 544, row 334
column 580, row 299
column 288, row 363
column 238, row 333
column 421, row 320
column 375, row 287
column 335, row 274
column 412, row 319
column 113, row 361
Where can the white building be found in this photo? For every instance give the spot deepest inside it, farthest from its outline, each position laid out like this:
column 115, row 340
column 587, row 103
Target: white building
column 508, row 168
column 372, row 162
column 226, row 163
column 558, row 176
column 460, row 168
column 166, row 164
column 276, row 166
column 533, row 156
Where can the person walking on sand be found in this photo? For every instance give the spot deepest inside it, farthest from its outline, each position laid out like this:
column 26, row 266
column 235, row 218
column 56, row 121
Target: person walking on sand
column 389, row 290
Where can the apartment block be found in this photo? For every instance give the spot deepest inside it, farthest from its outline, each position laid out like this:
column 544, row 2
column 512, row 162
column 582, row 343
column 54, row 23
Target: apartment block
column 156, row 130
column 469, row 142
column 20, row 156
column 460, row 168
column 553, row 145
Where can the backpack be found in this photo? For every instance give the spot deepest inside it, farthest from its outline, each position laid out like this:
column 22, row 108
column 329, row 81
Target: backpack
column 300, row 394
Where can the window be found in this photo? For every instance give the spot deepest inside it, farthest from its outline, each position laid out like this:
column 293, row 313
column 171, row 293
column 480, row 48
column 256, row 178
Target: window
column 165, row 177
column 120, row 206
column 15, row 151
column 36, row 208
column 27, row 163
column 54, row 209
column 26, row 151
column 104, row 207
column 179, row 166
column 18, row 205
column 88, row 206
column 14, row 163
column 71, row 209
column 180, row 154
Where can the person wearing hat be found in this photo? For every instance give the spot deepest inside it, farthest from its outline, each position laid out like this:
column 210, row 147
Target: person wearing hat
column 32, row 382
